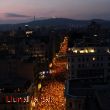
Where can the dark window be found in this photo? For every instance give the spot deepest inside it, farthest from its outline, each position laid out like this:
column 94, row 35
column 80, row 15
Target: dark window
column 108, row 64
column 69, row 60
column 72, row 66
column 101, row 58
column 98, row 51
column 83, row 65
column 108, row 70
column 97, row 64
column 97, row 58
column 93, row 65
column 101, row 64
column 72, row 59
column 79, row 65
column 79, row 59
column 87, row 59
column 70, row 104
column 83, row 59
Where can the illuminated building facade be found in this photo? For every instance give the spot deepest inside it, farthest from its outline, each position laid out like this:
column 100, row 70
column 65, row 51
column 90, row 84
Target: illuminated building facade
column 88, row 67
column 89, row 62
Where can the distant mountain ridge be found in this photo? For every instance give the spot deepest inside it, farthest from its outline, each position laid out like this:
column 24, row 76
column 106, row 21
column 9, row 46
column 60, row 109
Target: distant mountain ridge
column 55, row 22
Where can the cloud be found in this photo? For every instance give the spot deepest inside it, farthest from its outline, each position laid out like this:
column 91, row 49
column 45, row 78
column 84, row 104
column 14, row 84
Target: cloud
column 15, row 15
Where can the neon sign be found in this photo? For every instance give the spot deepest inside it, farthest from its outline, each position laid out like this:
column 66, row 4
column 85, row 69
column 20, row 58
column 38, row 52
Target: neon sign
column 16, row 99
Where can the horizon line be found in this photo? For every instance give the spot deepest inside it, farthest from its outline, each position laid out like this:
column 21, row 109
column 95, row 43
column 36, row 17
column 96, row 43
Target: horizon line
column 47, row 18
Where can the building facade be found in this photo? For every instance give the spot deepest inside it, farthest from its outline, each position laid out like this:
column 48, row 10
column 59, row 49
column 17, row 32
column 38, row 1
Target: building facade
column 87, row 67
column 87, row 62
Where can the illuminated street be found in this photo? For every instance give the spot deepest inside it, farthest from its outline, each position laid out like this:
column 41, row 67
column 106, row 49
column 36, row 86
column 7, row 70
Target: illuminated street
column 51, row 94
column 51, row 97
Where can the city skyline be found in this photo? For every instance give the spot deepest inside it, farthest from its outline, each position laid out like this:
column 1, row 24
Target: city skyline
column 12, row 11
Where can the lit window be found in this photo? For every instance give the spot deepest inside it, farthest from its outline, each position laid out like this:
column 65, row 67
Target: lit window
column 69, row 49
column 81, row 51
column 92, row 50
column 75, row 51
column 108, row 50
column 86, row 51
column 95, row 35
column 67, row 66
column 93, row 58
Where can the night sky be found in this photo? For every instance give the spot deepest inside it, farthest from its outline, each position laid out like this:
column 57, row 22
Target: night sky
column 24, row 10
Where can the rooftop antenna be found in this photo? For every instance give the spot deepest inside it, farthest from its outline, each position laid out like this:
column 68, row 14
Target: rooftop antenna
column 34, row 18
column 34, row 22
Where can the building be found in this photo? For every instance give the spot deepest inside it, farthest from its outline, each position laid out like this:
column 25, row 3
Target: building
column 89, row 70
column 13, row 68
column 86, row 62
column 83, row 95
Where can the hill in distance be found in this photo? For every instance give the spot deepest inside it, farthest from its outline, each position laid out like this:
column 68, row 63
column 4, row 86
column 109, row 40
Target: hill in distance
column 55, row 22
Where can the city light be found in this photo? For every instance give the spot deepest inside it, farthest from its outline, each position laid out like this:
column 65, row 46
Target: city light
column 51, row 93
column 51, row 97
column 93, row 58
column 92, row 50
column 39, row 86
column 75, row 51
column 108, row 50
column 33, row 103
column 95, row 35
column 59, row 64
column 83, row 51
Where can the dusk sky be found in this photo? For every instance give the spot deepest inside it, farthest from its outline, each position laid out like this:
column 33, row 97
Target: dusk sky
column 14, row 11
